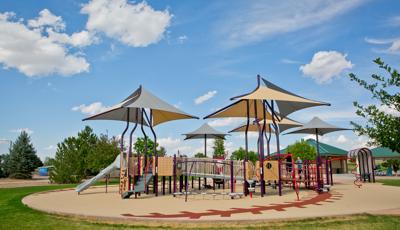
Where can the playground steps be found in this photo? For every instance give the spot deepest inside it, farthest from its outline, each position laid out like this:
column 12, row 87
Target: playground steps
column 139, row 186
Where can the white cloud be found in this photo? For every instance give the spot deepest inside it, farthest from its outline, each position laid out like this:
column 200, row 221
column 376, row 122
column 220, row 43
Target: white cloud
column 90, row 109
column 51, row 147
column 46, row 18
column 33, row 51
column 137, row 25
column 390, row 110
column 341, row 139
column 182, row 39
column 289, row 61
column 226, row 122
column 394, row 21
column 393, row 48
column 203, row 98
column 27, row 130
column 325, row 65
column 259, row 20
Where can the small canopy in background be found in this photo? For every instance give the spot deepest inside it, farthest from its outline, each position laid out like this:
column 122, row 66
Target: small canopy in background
column 205, row 131
column 316, row 126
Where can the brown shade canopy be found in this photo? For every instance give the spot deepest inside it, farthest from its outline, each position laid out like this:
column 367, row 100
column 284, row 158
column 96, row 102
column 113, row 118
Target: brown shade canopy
column 161, row 111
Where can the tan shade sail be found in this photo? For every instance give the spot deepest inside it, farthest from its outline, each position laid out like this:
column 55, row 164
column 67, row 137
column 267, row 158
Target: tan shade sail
column 252, row 128
column 239, row 109
column 205, row 131
column 283, row 124
column 160, row 110
column 286, row 101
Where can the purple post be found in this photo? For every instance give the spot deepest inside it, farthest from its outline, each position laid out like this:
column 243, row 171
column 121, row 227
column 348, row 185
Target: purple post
column 231, row 166
column 174, row 173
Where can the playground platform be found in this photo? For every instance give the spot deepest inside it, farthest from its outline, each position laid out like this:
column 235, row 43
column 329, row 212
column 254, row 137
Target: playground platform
column 343, row 199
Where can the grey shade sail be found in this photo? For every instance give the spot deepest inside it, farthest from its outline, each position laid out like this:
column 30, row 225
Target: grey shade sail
column 205, row 131
column 316, row 126
column 286, row 107
column 239, row 109
column 160, row 110
column 286, row 101
column 119, row 113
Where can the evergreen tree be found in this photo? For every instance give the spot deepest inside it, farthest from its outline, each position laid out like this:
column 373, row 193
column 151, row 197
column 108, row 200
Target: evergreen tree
column 71, row 161
column 382, row 121
column 219, row 149
column 105, row 152
column 22, row 159
column 3, row 165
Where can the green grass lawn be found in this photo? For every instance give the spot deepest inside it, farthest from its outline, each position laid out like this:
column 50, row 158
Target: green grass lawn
column 15, row 215
column 391, row 182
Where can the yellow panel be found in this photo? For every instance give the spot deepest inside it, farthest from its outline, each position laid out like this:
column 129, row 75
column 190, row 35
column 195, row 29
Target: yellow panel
column 271, row 170
column 165, row 166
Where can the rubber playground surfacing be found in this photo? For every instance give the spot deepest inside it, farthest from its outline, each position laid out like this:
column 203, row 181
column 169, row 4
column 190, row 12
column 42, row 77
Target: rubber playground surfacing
column 344, row 198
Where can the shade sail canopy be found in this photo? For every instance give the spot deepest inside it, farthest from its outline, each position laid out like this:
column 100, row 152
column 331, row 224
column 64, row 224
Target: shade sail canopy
column 142, row 99
column 283, row 124
column 316, row 126
column 239, row 109
column 252, row 128
column 286, row 101
column 205, row 131
column 119, row 113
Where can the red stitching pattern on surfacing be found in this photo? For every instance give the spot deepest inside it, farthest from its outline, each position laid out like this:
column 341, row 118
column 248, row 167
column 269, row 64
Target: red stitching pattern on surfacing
column 255, row 209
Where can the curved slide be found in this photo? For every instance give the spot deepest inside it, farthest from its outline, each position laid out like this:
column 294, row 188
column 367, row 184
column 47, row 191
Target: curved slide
column 86, row 184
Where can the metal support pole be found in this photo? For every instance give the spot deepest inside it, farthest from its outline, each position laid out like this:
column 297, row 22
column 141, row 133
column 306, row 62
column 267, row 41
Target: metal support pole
column 331, row 172
column 245, row 183
column 174, row 173
column 130, row 153
column 232, row 179
column 155, row 181
column 318, row 163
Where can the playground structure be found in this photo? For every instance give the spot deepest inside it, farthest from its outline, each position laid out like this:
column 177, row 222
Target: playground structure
column 265, row 109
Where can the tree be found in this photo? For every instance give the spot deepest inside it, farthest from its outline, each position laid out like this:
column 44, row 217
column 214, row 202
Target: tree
column 4, row 165
column 139, row 147
column 48, row 161
column 382, row 127
column 105, row 152
column 240, row 154
column 71, row 162
column 394, row 163
column 22, row 160
column 219, row 149
column 200, row 155
column 303, row 150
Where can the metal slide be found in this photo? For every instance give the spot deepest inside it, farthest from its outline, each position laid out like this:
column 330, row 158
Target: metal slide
column 140, row 185
column 86, row 184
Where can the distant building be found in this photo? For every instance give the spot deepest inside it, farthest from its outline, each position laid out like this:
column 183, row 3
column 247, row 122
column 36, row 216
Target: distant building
column 381, row 153
column 338, row 156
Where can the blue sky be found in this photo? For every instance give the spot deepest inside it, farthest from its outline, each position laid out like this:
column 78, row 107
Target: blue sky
column 62, row 60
